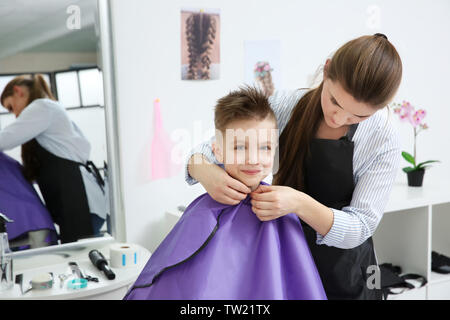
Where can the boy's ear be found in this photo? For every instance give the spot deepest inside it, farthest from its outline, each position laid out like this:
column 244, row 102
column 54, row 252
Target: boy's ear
column 217, row 151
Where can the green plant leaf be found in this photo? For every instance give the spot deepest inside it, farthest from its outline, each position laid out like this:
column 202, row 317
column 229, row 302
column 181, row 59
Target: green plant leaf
column 429, row 161
column 408, row 169
column 409, row 157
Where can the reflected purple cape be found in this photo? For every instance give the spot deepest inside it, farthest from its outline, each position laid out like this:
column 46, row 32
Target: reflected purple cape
column 21, row 203
column 217, row 251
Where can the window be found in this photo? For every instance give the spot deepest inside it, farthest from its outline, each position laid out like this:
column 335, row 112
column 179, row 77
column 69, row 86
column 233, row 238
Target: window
column 68, row 89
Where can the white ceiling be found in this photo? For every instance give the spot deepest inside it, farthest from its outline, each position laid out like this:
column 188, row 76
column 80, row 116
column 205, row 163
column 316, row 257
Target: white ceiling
column 25, row 24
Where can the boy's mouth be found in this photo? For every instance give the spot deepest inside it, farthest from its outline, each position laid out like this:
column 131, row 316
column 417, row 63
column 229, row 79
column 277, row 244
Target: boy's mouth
column 251, row 172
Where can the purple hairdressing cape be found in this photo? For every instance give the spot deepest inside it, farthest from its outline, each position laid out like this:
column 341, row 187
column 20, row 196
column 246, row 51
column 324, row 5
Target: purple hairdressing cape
column 218, row 251
column 20, row 202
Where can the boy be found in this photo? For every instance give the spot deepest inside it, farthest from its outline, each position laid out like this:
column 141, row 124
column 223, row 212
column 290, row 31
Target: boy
column 219, row 251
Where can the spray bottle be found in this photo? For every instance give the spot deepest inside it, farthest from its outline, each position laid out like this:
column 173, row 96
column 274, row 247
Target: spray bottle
column 6, row 268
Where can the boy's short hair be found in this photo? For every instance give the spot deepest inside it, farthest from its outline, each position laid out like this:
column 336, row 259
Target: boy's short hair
column 243, row 104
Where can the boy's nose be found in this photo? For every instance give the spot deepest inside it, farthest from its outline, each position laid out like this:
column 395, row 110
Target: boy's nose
column 253, row 158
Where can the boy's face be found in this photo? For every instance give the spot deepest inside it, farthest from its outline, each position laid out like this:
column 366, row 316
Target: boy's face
column 248, row 149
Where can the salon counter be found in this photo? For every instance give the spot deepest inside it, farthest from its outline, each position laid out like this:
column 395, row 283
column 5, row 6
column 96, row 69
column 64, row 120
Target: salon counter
column 57, row 263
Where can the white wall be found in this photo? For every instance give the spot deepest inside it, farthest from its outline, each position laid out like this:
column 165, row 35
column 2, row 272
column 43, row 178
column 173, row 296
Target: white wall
column 146, row 37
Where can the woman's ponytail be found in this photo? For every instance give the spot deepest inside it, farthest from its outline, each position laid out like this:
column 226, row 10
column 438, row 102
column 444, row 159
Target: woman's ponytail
column 39, row 88
column 35, row 83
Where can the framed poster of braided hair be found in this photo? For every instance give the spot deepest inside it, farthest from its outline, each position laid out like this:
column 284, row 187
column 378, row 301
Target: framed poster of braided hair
column 200, row 44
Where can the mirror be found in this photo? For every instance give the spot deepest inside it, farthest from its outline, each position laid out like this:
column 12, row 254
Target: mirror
column 64, row 178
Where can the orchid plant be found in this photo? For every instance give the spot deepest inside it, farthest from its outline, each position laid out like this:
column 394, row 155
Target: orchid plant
column 407, row 113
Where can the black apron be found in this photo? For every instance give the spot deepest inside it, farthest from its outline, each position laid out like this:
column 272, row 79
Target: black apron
column 328, row 178
column 62, row 187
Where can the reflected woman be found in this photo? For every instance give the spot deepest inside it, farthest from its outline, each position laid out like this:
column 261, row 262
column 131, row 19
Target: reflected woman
column 55, row 154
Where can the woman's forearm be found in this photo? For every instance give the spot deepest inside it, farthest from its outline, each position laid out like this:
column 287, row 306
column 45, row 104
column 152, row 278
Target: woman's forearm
column 196, row 165
column 315, row 214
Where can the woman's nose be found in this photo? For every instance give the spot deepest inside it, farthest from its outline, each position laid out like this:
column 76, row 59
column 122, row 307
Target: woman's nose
column 341, row 118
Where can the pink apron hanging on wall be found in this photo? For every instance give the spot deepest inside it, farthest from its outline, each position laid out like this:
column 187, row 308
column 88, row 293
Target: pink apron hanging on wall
column 162, row 164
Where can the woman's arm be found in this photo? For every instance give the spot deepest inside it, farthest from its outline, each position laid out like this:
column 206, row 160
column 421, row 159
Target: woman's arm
column 33, row 120
column 201, row 154
column 270, row 202
column 357, row 222
column 346, row 228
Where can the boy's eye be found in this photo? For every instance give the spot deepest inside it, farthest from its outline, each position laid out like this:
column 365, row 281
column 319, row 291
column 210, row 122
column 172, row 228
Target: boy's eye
column 243, row 148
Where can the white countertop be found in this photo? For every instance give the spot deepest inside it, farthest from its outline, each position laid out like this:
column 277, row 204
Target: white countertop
column 432, row 192
column 58, row 264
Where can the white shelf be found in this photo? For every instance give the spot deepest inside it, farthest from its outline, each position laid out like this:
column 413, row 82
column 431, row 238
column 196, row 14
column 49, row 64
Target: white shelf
column 438, row 278
column 431, row 193
column 417, row 223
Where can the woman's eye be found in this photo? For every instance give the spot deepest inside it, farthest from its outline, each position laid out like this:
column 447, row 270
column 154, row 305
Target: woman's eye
column 266, row 148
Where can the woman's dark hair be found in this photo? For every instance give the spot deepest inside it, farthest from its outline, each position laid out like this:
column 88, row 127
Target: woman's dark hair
column 368, row 68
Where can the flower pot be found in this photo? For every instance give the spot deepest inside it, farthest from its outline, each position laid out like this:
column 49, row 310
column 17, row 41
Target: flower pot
column 415, row 178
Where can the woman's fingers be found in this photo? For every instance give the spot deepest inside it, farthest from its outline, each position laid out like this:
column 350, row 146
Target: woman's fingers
column 228, row 200
column 222, row 195
column 235, row 190
column 265, row 196
column 264, row 212
column 265, row 205
column 268, row 218
column 233, row 194
column 238, row 186
column 265, row 215
column 265, row 193
column 263, row 188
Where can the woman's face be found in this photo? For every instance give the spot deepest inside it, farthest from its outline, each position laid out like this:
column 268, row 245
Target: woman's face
column 248, row 150
column 340, row 108
column 18, row 101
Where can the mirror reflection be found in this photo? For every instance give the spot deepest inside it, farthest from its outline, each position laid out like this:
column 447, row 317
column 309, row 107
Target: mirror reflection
column 53, row 164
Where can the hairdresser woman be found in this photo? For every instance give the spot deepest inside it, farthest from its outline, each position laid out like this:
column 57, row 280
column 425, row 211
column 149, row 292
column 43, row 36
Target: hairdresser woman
column 338, row 158
column 55, row 154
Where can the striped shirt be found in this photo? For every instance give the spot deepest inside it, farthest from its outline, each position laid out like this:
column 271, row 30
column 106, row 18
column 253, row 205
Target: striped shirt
column 376, row 162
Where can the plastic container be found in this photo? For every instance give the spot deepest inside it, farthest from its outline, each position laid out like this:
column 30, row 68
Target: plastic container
column 6, row 262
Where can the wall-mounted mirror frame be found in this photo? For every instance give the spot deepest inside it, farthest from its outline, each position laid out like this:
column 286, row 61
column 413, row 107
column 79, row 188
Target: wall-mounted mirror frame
column 113, row 151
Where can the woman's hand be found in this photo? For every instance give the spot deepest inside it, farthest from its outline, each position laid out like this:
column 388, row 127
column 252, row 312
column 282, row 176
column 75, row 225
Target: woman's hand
column 218, row 183
column 271, row 202
column 223, row 188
